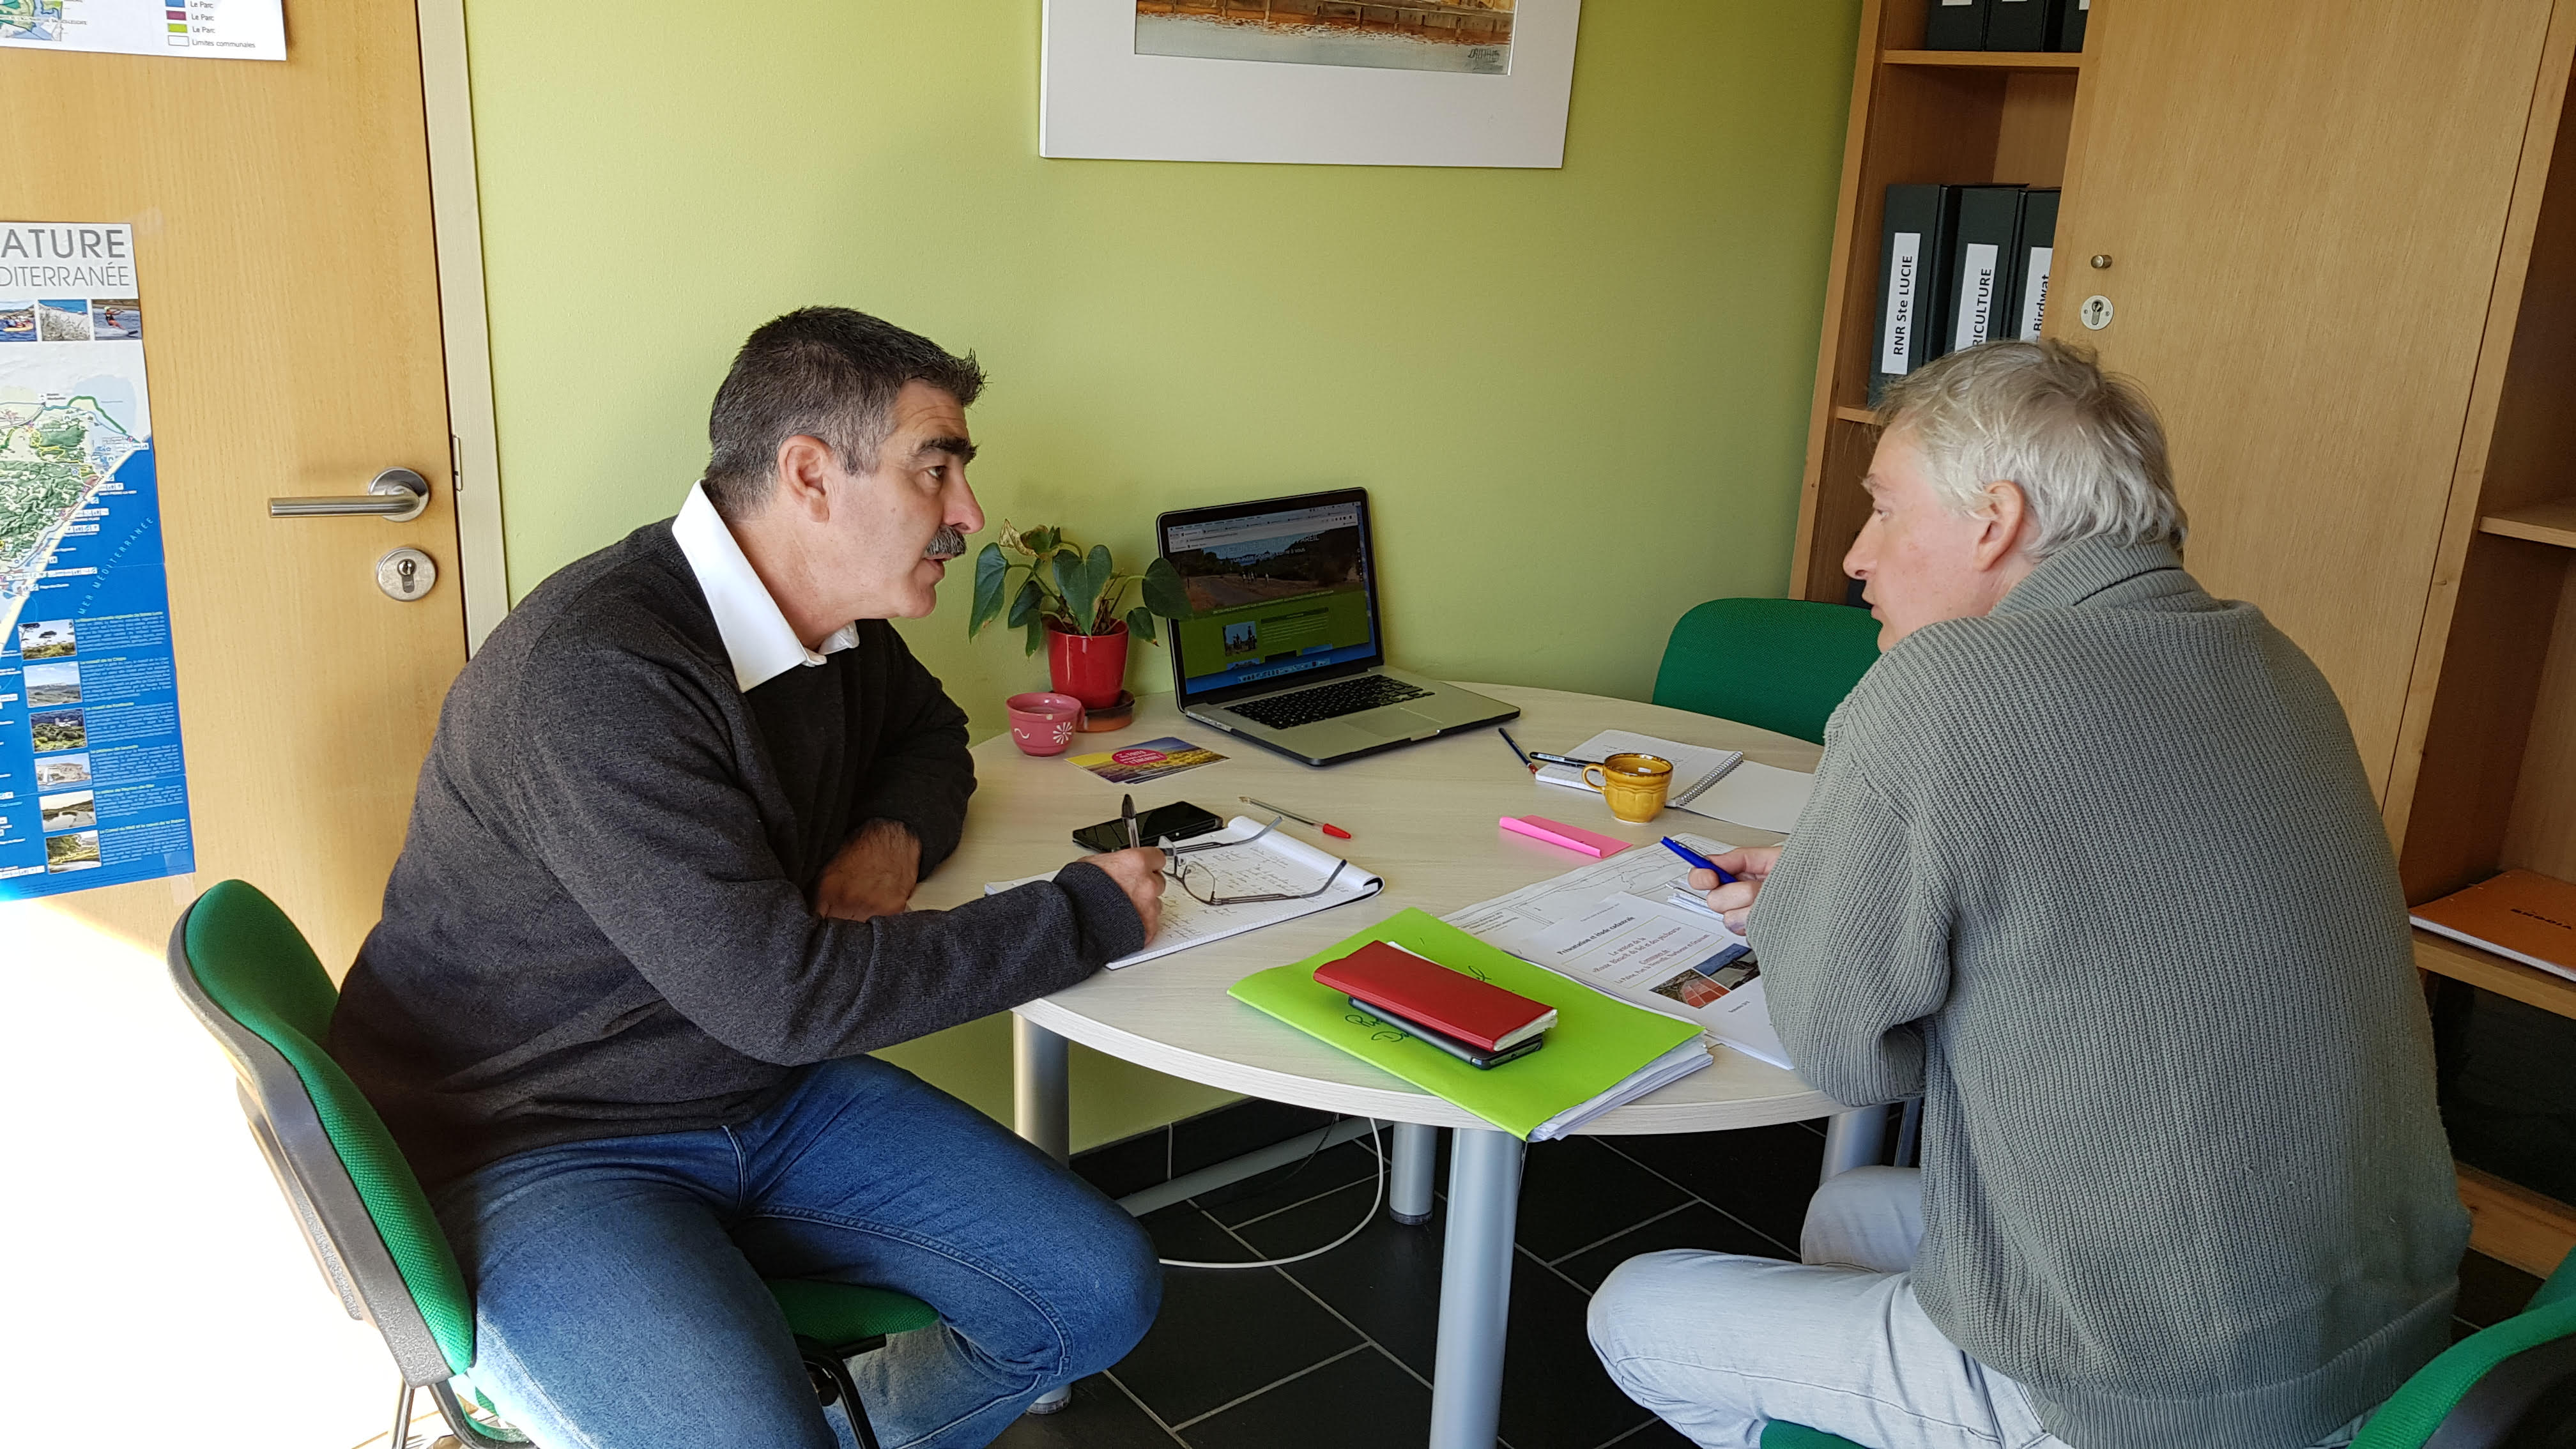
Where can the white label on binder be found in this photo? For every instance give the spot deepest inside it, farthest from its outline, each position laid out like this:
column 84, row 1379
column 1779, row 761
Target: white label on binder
column 1896, row 345
column 1976, row 293
column 2034, row 292
column 1958, row 2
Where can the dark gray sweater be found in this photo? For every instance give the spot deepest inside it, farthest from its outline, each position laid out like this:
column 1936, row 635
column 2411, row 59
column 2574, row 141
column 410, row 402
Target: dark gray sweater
column 598, row 926
column 2099, row 875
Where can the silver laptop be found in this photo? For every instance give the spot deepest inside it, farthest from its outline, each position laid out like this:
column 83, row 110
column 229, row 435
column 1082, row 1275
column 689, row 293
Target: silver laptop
column 1285, row 649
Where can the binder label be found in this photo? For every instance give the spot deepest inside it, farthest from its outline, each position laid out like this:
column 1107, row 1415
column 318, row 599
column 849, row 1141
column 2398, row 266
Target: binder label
column 1896, row 343
column 2034, row 293
column 1976, row 293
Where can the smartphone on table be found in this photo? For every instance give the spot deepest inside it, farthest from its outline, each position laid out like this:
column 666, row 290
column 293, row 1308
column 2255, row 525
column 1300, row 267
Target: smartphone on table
column 1177, row 821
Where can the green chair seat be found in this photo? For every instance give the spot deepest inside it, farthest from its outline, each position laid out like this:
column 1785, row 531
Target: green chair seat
column 1776, row 1435
column 1781, row 664
column 839, row 1313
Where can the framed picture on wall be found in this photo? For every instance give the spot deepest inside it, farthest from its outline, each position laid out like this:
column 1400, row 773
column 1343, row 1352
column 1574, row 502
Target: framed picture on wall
column 1336, row 82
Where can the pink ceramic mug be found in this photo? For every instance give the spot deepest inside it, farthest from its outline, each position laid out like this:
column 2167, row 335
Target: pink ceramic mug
column 1043, row 724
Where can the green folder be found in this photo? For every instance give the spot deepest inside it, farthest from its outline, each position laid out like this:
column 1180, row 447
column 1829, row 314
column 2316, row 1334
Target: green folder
column 1597, row 1042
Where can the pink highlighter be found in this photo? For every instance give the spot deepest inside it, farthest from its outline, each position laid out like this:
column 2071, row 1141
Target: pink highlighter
column 1557, row 832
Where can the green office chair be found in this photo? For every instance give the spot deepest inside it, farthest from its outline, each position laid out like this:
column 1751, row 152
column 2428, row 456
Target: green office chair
column 2510, row 1386
column 247, row 973
column 1782, row 664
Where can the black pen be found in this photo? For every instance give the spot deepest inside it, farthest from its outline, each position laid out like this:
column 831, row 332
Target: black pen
column 1561, row 759
column 1515, row 744
column 1127, row 812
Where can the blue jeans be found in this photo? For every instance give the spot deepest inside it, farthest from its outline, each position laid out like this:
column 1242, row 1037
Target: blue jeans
column 617, row 1282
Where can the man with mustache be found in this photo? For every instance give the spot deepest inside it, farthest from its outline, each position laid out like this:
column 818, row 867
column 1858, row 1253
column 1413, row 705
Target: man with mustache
column 651, row 911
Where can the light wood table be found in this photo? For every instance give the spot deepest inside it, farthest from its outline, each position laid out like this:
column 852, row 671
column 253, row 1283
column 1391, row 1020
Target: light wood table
column 1421, row 816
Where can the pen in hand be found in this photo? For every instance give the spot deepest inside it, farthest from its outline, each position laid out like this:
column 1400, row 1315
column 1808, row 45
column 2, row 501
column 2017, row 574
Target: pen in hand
column 1697, row 861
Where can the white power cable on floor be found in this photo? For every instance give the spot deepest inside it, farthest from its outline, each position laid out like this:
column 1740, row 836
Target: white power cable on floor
column 1375, row 1198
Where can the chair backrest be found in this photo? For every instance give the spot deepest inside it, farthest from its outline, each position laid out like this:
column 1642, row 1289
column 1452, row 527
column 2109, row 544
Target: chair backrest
column 1782, row 664
column 248, row 974
column 2484, row 1389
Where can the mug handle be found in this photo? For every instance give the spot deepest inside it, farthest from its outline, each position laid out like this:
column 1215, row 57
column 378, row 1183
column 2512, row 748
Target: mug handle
column 1602, row 784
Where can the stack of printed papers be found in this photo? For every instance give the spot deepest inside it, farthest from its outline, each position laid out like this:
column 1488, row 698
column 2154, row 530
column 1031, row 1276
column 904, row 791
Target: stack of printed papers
column 1274, row 864
column 1627, row 926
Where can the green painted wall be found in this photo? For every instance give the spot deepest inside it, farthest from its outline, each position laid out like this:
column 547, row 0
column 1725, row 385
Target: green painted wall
column 1578, row 397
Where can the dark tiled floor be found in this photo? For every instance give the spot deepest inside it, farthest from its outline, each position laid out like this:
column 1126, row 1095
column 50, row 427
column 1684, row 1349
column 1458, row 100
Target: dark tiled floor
column 1338, row 1350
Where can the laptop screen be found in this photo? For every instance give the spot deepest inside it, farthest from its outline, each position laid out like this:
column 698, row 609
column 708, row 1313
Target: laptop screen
column 1280, row 588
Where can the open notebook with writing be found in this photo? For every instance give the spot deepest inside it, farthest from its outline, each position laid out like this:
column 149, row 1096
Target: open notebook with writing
column 1272, row 864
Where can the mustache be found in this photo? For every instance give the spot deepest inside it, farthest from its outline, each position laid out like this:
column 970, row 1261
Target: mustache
column 947, row 543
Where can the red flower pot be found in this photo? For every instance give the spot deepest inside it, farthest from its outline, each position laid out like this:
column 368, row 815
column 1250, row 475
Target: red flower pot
column 1090, row 667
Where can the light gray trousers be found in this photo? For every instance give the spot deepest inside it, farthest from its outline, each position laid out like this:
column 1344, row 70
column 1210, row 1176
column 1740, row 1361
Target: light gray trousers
column 1718, row 1345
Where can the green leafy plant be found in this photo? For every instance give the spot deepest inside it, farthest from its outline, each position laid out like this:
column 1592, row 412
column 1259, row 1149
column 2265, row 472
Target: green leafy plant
column 1059, row 584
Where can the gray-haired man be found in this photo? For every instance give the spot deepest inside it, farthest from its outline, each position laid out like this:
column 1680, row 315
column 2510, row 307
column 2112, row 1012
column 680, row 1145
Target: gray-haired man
column 2091, row 865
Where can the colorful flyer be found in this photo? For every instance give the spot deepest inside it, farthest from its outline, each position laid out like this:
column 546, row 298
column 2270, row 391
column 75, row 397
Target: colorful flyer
column 1152, row 760
column 93, row 789
column 193, row 29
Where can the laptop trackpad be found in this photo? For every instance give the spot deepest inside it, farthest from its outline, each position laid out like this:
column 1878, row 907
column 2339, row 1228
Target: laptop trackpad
column 1396, row 724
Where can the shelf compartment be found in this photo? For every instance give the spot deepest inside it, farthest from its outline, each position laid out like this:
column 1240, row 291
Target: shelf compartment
column 2553, row 522
column 2488, row 971
column 2018, row 60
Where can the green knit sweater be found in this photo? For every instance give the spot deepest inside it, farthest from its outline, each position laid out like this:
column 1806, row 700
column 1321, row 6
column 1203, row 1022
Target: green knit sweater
column 2100, row 877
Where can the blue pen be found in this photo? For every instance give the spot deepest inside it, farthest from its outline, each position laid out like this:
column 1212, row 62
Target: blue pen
column 1697, row 861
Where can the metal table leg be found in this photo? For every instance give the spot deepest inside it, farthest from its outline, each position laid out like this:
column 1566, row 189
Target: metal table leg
column 1417, row 1151
column 1856, row 1138
column 1042, row 1113
column 1041, row 1102
column 1475, row 1288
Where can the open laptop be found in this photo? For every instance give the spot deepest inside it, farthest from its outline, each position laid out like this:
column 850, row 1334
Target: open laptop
column 1286, row 650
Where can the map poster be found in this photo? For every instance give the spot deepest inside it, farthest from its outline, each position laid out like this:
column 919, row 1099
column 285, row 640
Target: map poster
column 191, row 29
column 93, row 790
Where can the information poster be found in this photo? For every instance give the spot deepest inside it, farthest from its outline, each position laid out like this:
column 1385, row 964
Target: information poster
column 194, row 29
column 93, row 790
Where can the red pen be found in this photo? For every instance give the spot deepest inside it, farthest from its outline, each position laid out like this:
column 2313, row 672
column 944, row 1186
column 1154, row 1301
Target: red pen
column 1335, row 831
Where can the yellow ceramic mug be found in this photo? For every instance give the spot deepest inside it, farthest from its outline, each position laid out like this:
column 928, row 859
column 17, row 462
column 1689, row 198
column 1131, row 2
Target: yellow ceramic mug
column 1633, row 784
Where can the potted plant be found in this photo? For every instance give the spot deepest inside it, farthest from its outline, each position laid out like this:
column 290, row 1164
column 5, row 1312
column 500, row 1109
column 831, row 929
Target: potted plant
column 1072, row 599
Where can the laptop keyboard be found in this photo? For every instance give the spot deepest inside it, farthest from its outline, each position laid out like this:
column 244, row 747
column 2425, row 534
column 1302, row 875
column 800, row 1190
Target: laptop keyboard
column 1330, row 701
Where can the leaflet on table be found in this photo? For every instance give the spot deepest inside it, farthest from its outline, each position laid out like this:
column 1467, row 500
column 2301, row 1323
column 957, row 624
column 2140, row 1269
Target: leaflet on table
column 93, row 789
column 1276, row 864
column 1612, row 927
column 193, row 29
column 1146, row 763
column 1720, row 784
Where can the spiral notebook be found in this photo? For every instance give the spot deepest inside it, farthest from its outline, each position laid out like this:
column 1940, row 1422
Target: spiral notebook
column 1720, row 784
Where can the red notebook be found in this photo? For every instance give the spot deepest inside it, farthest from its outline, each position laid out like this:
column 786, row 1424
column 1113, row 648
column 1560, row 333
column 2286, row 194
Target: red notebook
column 1448, row 1001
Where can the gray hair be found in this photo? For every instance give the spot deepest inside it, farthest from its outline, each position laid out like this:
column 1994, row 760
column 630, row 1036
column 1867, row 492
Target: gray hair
column 2083, row 445
column 825, row 372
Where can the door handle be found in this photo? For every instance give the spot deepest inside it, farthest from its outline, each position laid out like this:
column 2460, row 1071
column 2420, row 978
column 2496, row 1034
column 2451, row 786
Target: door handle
column 397, row 495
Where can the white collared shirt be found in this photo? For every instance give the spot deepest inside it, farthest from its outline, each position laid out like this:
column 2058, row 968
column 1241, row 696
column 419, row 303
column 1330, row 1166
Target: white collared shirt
column 756, row 637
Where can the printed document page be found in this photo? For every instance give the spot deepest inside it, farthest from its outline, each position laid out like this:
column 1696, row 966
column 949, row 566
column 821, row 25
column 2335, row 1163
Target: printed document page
column 1617, row 926
column 1276, row 864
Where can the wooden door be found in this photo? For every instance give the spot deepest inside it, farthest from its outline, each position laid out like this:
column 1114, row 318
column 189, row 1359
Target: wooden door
column 289, row 288
column 2303, row 206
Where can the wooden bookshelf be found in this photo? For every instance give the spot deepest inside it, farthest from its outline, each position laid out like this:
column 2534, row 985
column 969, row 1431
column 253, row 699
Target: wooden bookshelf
column 1917, row 115
column 2490, row 972
column 2552, row 523
column 2371, row 418
column 2026, row 60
